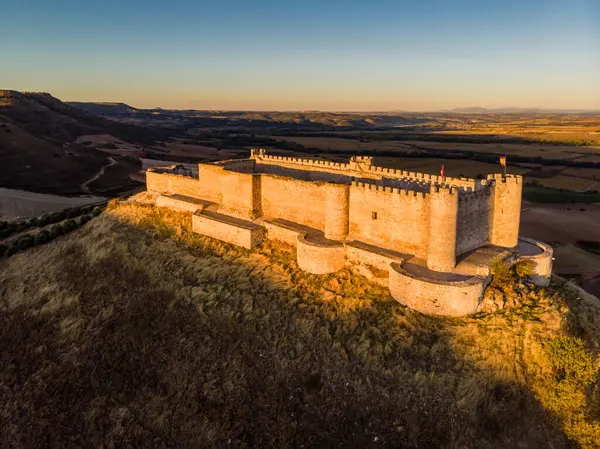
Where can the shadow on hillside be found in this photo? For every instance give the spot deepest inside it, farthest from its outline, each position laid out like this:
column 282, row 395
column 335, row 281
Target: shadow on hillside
column 132, row 340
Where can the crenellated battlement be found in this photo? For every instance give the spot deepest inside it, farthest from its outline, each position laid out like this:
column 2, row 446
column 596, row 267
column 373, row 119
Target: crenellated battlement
column 388, row 190
column 172, row 170
column 509, row 178
column 304, row 162
column 362, row 166
column 471, row 196
column 443, row 189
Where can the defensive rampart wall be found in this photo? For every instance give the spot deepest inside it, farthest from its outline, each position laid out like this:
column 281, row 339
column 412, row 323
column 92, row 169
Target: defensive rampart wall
column 294, row 200
column 170, row 183
column 453, row 298
column 474, row 218
column 389, row 217
column 319, row 257
column 360, row 170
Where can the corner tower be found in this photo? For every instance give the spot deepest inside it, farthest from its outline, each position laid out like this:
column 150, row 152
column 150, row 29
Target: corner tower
column 506, row 209
column 443, row 222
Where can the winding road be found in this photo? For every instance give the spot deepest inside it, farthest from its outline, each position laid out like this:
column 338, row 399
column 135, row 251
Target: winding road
column 85, row 186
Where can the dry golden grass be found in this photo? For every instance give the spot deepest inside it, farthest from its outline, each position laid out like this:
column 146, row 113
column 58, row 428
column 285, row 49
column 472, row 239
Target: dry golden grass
column 135, row 332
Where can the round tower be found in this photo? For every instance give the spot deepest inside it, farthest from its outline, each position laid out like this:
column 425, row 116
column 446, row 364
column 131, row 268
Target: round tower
column 337, row 205
column 506, row 209
column 443, row 220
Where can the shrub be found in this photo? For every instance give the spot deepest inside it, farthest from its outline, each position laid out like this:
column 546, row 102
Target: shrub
column 25, row 242
column 523, row 268
column 3, row 249
column 502, row 274
column 57, row 216
column 69, row 225
column 97, row 211
column 87, row 209
column 84, row 219
column 73, row 212
column 5, row 233
column 42, row 237
column 43, row 220
column 21, row 225
column 56, row 230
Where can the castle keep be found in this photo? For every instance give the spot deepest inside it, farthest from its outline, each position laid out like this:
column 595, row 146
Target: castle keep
column 430, row 239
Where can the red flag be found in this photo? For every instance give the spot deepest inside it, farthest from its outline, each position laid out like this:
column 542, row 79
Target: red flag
column 442, row 172
column 503, row 161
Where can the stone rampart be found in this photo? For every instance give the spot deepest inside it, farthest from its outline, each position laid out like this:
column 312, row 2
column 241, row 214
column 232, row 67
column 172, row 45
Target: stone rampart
column 474, row 218
column 180, row 202
column 319, row 257
column 246, row 235
column 281, row 232
column 361, row 253
column 169, row 183
column 363, row 168
column 389, row 217
column 542, row 262
column 298, row 201
column 436, row 297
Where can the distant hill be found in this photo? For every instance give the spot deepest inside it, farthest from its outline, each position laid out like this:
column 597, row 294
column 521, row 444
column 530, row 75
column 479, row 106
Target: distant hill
column 298, row 120
column 480, row 110
column 103, row 109
column 37, row 142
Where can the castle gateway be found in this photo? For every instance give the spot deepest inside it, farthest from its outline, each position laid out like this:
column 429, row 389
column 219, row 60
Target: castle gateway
column 430, row 239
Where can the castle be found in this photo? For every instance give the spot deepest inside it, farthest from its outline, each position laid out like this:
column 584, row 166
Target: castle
column 430, row 239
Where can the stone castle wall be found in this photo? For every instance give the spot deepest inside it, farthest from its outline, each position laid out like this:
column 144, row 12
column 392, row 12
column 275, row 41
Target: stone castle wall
column 434, row 222
column 294, row 200
column 358, row 167
column 453, row 298
column 474, row 220
column 390, row 218
column 411, row 227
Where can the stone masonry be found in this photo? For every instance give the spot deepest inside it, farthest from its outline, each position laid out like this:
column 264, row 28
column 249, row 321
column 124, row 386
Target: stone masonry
column 434, row 237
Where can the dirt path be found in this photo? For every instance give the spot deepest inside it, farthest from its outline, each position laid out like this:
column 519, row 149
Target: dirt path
column 588, row 187
column 85, row 186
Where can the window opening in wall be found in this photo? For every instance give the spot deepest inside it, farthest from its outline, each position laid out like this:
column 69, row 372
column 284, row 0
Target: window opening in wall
column 374, row 215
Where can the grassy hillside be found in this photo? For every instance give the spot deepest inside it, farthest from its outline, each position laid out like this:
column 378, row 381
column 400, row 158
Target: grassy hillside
column 132, row 331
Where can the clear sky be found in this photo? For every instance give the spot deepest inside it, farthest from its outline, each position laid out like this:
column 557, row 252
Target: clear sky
column 310, row 54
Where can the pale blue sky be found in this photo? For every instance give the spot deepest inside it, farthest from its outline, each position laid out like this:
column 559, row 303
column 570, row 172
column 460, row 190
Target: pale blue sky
column 290, row 55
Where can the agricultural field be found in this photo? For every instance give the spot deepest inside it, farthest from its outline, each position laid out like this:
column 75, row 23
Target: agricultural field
column 468, row 159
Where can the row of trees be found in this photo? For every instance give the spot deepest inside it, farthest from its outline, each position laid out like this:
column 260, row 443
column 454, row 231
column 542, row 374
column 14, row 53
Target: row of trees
column 64, row 226
column 7, row 228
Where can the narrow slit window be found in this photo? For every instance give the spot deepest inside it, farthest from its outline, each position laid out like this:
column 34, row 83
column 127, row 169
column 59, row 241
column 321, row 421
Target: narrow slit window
column 374, row 215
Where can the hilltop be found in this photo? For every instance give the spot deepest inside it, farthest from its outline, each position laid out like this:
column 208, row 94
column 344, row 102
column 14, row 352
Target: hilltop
column 38, row 134
column 133, row 331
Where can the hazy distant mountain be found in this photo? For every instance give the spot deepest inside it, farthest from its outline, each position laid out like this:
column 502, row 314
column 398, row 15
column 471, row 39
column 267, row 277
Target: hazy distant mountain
column 513, row 110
